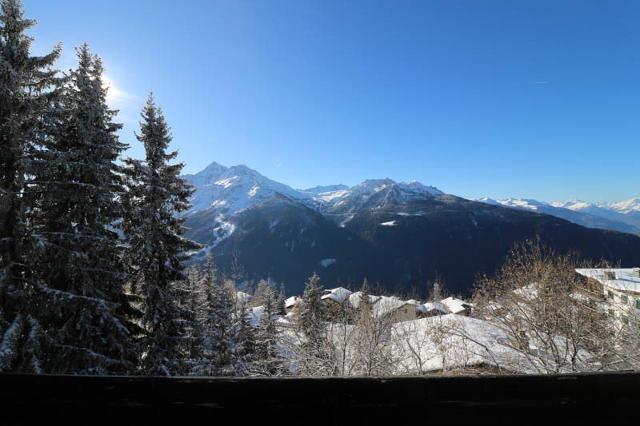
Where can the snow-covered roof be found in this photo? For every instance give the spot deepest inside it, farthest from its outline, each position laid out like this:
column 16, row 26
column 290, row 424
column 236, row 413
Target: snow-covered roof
column 623, row 279
column 441, row 343
column 354, row 298
column 385, row 305
column 338, row 294
column 455, row 305
column 290, row 302
column 433, row 306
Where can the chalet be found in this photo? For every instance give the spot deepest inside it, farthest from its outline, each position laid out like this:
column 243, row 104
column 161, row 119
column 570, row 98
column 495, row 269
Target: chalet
column 431, row 309
column 292, row 304
column 620, row 288
column 337, row 295
column 457, row 306
column 390, row 307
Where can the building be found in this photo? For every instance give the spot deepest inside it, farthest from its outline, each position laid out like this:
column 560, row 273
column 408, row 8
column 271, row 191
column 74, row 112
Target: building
column 336, row 295
column 291, row 304
column 389, row 307
column 620, row 288
column 457, row 306
column 431, row 309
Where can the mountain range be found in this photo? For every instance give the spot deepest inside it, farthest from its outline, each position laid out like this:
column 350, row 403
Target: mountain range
column 400, row 235
column 623, row 216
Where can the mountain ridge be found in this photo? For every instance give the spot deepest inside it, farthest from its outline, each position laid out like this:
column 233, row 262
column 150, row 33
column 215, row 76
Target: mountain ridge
column 399, row 234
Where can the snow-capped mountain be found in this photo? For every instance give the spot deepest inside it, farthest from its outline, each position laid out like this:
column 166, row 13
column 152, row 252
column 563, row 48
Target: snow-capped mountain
column 627, row 206
column 624, row 207
column 580, row 212
column 228, row 190
column 394, row 233
column 626, row 211
column 374, row 194
column 324, row 189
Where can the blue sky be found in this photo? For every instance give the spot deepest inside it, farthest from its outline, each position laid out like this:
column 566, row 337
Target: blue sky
column 537, row 99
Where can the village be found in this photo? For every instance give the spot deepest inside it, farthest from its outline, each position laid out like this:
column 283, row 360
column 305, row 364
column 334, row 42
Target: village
column 453, row 336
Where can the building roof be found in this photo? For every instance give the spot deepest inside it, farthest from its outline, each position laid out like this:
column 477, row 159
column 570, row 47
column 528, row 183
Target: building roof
column 385, row 305
column 455, row 305
column 433, row 306
column 290, row 302
column 338, row 294
column 354, row 298
column 623, row 279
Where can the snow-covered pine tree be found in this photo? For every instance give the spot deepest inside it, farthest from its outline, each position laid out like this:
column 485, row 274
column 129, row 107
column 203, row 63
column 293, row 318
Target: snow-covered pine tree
column 28, row 90
column 268, row 360
column 311, row 317
column 79, row 263
column 196, row 311
column 222, row 328
column 156, row 246
column 280, row 303
column 311, row 324
column 246, row 340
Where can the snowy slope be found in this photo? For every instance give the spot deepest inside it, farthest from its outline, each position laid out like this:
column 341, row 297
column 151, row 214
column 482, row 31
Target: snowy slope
column 627, row 211
column 578, row 212
column 229, row 190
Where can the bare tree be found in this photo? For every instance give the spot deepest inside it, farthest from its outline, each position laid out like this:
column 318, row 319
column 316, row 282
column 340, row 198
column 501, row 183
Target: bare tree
column 546, row 311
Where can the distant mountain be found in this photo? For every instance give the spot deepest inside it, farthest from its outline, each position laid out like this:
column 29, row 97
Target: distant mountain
column 317, row 191
column 398, row 234
column 228, row 190
column 623, row 211
column 587, row 217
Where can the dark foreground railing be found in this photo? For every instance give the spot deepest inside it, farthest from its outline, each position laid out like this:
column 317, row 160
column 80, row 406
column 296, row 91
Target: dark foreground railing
column 26, row 399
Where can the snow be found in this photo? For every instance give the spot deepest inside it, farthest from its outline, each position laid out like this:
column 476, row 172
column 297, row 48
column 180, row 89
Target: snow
column 327, row 262
column 253, row 191
column 451, row 342
column 290, row 302
column 389, row 223
column 454, row 305
column 626, row 206
column 345, row 221
column 242, row 297
column 626, row 279
column 238, row 186
column 332, row 195
column 339, row 294
column 227, row 183
column 433, row 306
column 354, row 298
column 221, row 230
column 518, row 203
column 255, row 315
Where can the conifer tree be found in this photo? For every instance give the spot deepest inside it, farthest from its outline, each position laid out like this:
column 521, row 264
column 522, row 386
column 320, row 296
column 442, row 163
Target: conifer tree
column 28, row 91
column 79, row 269
column 222, row 328
column 280, row 303
column 311, row 318
column 268, row 361
column 196, row 310
column 246, row 341
column 154, row 233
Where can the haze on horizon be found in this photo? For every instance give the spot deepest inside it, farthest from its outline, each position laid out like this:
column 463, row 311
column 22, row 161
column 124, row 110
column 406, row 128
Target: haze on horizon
column 538, row 99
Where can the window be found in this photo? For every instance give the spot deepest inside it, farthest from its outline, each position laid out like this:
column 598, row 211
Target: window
column 610, row 295
column 637, row 303
column 624, row 298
